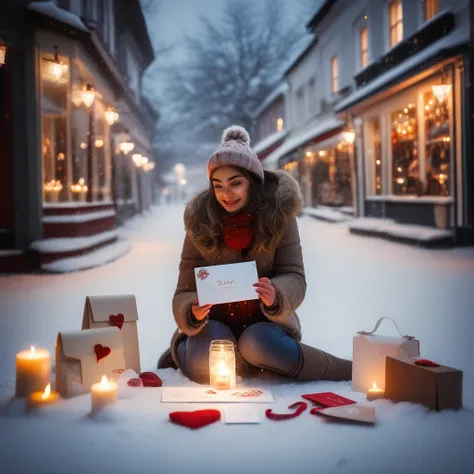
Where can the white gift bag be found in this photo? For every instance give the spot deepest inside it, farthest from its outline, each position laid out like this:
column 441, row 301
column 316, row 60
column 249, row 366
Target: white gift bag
column 370, row 351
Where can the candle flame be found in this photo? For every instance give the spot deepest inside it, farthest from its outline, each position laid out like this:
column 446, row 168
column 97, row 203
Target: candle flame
column 223, row 369
column 374, row 385
column 32, row 350
column 47, row 392
column 104, row 381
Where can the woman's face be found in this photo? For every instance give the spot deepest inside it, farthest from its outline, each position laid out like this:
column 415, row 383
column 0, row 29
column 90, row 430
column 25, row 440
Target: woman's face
column 231, row 188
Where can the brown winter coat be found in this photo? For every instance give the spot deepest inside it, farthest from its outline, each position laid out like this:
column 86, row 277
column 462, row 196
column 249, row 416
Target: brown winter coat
column 284, row 267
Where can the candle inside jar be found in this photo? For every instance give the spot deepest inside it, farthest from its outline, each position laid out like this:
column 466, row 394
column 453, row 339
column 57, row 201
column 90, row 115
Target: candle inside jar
column 222, row 377
column 103, row 393
column 46, row 397
column 33, row 368
column 375, row 393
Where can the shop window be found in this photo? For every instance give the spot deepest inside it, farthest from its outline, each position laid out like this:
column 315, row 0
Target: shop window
column 334, row 75
column 405, row 164
column 431, row 8
column 375, row 153
column 395, row 11
column 364, row 47
column 438, row 145
column 54, row 122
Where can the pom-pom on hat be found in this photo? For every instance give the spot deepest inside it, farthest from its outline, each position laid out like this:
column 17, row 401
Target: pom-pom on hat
column 235, row 150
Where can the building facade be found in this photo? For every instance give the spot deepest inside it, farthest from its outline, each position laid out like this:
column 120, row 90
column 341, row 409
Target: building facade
column 378, row 116
column 76, row 129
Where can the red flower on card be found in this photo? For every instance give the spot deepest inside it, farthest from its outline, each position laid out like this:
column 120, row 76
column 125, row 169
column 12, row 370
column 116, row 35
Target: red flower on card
column 202, row 274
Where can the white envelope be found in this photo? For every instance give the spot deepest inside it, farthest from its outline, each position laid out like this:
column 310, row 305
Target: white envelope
column 78, row 365
column 226, row 283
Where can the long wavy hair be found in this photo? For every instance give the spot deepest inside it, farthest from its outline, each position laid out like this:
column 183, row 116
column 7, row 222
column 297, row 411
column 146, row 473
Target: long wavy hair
column 205, row 219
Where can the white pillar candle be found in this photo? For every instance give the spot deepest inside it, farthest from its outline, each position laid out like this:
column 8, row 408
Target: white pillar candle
column 103, row 393
column 33, row 370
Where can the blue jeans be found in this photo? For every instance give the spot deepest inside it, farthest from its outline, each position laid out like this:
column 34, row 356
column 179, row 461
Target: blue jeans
column 261, row 346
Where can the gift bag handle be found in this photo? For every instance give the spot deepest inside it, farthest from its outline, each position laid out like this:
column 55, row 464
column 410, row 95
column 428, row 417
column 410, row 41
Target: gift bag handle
column 367, row 333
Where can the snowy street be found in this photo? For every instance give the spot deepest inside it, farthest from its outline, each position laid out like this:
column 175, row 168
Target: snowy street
column 352, row 281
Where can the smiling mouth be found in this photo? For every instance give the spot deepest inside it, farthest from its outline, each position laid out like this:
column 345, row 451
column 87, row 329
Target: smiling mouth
column 231, row 203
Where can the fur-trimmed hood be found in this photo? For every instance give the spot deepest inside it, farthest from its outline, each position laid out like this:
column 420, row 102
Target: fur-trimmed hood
column 287, row 197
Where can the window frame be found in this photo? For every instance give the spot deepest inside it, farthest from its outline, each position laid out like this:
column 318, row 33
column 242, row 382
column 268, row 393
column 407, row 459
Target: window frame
column 398, row 22
column 384, row 110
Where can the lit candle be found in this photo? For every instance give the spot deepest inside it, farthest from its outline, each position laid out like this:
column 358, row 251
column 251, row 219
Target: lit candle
column 222, row 377
column 375, row 393
column 33, row 369
column 47, row 397
column 103, row 393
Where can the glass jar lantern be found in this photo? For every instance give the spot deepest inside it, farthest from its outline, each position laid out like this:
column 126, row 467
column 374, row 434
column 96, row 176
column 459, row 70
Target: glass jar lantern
column 222, row 364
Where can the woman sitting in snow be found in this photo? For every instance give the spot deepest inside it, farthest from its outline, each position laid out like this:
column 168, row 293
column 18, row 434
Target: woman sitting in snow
column 246, row 214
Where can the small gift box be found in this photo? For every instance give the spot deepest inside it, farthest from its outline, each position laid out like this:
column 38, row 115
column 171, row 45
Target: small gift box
column 83, row 357
column 119, row 311
column 435, row 386
column 369, row 352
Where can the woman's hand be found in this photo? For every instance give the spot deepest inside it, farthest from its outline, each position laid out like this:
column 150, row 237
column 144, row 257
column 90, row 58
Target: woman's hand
column 266, row 291
column 200, row 312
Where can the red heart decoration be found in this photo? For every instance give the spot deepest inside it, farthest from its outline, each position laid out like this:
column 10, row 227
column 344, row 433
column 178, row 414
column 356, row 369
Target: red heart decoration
column 117, row 320
column 101, row 351
column 195, row 419
column 150, row 379
column 134, row 382
column 426, row 363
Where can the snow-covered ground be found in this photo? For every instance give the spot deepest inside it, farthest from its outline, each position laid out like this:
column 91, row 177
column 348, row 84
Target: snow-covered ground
column 352, row 281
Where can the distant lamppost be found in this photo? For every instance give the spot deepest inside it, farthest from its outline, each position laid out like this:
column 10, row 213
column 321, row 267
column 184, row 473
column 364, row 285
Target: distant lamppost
column 111, row 117
column 3, row 52
column 179, row 169
column 126, row 146
column 88, row 97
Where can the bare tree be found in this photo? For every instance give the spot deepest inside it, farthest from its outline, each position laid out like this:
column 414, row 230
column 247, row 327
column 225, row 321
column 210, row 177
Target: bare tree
column 231, row 66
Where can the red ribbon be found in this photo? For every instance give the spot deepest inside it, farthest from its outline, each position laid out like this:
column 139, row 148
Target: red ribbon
column 287, row 416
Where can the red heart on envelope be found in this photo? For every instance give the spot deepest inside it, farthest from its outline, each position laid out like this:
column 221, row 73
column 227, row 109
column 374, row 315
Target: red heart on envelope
column 117, row 320
column 150, row 379
column 101, row 351
column 195, row 419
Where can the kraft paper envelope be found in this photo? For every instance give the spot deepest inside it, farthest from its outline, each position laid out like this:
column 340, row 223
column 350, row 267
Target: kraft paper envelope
column 370, row 351
column 120, row 311
column 84, row 356
column 226, row 283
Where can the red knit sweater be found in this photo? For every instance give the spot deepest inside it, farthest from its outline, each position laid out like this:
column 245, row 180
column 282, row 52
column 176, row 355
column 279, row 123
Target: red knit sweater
column 238, row 236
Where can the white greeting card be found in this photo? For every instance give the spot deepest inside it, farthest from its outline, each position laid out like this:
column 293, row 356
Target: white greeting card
column 241, row 414
column 208, row 394
column 226, row 283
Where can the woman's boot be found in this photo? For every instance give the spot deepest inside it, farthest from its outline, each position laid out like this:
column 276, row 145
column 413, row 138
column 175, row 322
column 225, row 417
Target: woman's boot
column 319, row 365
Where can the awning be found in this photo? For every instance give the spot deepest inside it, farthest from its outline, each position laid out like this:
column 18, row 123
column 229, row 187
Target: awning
column 436, row 52
column 267, row 142
column 298, row 139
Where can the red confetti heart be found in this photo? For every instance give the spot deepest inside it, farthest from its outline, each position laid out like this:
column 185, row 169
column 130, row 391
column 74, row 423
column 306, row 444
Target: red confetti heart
column 134, row 382
column 426, row 363
column 150, row 379
column 101, row 351
column 195, row 419
column 117, row 320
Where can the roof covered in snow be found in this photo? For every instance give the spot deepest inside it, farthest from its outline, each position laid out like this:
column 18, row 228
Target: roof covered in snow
column 50, row 10
column 269, row 141
column 280, row 89
column 458, row 37
column 300, row 138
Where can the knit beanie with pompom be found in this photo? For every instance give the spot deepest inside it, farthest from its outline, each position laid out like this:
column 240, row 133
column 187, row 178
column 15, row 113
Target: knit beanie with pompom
column 235, row 150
